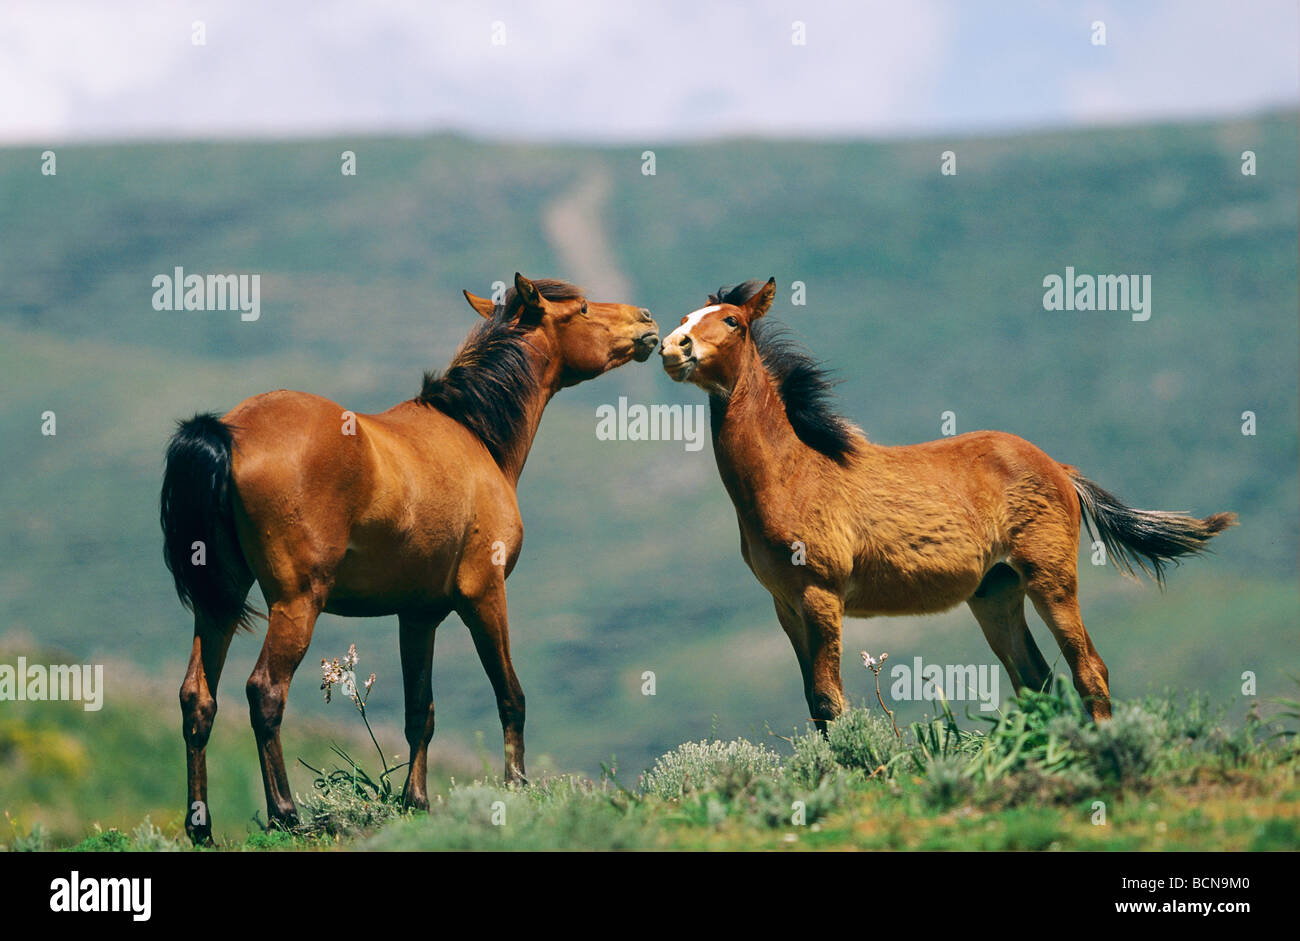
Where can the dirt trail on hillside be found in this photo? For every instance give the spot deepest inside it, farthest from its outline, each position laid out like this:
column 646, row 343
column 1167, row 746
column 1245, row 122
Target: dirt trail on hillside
column 575, row 226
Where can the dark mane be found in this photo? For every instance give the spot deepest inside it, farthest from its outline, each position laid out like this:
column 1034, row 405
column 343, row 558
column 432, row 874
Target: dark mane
column 550, row 288
column 803, row 384
column 489, row 381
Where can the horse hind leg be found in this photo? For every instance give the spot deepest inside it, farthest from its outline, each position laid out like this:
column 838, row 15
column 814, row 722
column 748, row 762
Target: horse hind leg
column 287, row 638
column 1045, row 548
column 999, row 607
column 1056, row 600
column 198, row 712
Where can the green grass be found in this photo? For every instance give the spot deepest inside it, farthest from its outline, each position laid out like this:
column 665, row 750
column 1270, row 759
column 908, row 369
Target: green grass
column 1042, row 777
column 68, row 771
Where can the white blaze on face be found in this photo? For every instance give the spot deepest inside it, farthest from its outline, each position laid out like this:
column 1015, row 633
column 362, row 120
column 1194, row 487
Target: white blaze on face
column 693, row 318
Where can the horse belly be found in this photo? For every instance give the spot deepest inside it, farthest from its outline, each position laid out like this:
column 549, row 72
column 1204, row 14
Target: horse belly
column 916, row 584
column 385, row 572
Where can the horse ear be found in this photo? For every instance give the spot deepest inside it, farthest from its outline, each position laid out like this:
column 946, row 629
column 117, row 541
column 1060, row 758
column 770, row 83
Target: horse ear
column 484, row 306
column 527, row 291
column 759, row 304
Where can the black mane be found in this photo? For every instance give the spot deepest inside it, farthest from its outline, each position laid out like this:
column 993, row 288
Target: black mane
column 550, row 288
column 489, row 380
column 801, row 381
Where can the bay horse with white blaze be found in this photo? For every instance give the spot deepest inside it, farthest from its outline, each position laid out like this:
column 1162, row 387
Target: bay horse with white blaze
column 410, row 512
column 985, row 518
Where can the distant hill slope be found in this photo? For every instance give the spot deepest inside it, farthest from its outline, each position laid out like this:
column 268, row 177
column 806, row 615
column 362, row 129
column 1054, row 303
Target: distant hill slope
column 924, row 292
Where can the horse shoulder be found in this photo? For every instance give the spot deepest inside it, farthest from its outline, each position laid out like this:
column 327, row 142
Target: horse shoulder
column 492, row 544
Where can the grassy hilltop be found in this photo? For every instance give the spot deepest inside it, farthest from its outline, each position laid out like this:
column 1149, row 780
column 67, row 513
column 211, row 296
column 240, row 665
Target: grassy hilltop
column 1163, row 774
column 924, row 292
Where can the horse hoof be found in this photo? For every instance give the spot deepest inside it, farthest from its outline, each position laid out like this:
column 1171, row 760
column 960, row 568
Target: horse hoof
column 283, row 820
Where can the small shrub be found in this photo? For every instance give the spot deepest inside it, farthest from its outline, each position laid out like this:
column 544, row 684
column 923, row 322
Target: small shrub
column 1122, row 751
column 36, row 840
column 473, row 804
column 863, row 740
column 941, row 738
column 104, row 841
column 562, row 813
column 946, row 783
column 1035, row 785
column 1290, row 713
column 146, row 838
column 342, row 810
column 1236, row 748
column 812, row 761
column 1031, row 730
column 272, row 840
column 726, row 767
column 772, row 802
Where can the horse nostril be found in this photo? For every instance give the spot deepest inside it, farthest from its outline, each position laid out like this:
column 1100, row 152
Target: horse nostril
column 645, row 315
column 685, row 344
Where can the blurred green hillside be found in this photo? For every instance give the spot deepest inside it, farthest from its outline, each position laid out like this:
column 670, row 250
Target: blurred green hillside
column 924, row 292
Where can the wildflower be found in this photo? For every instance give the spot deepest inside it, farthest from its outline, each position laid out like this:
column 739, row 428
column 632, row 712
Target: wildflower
column 875, row 665
column 342, row 673
column 332, row 674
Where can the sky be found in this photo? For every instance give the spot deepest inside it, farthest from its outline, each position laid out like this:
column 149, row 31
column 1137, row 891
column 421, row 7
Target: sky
column 631, row 72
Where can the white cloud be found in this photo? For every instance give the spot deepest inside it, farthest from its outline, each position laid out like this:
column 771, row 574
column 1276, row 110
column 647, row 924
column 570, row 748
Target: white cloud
column 1193, row 57
column 581, row 69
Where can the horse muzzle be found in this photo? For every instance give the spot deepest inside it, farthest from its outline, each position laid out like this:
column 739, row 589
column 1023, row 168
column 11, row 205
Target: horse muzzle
column 645, row 344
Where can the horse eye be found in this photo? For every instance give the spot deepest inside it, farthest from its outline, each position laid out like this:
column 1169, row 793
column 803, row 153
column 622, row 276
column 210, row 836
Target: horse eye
column 584, row 307
column 731, row 321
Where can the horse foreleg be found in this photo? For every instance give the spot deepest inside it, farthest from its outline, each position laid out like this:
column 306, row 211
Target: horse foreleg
column 797, row 631
column 485, row 616
column 822, row 612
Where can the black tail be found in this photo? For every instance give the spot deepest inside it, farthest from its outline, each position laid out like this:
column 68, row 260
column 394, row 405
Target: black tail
column 196, row 508
column 1147, row 539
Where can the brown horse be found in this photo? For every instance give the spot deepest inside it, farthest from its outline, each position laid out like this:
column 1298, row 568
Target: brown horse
column 832, row 524
column 409, row 512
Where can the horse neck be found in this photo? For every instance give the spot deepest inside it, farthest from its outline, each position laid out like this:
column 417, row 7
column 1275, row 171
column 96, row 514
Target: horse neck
column 753, row 440
column 546, row 371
